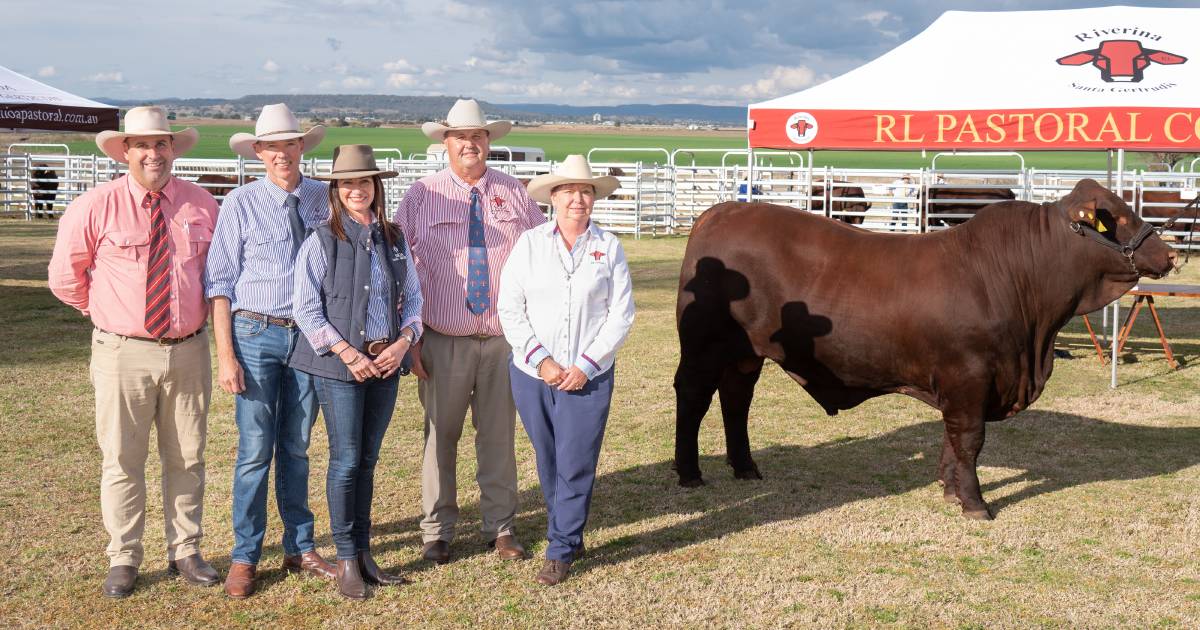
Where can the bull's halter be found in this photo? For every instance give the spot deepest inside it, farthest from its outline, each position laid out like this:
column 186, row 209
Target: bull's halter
column 1126, row 250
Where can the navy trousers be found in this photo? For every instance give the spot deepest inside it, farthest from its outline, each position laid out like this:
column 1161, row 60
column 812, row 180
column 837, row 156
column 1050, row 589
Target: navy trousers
column 566, row 429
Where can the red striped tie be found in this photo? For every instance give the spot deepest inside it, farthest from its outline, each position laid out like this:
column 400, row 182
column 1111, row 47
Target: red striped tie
column 158, row 272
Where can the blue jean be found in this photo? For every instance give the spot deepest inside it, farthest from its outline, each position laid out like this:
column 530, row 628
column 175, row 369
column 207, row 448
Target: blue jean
column 275, row 416
column 356, row 417
column 566, row 429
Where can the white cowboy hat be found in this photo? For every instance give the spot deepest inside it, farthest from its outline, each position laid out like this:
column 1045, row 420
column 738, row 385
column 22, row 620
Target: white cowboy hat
column 145, row 121
column 275, row 122
column 351, row 161
column 573, row 170
column 466, row 114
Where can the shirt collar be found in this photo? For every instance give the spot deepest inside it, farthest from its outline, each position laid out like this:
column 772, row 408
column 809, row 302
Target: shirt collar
column 482, row 184
column 279, row 195
column 139, row 192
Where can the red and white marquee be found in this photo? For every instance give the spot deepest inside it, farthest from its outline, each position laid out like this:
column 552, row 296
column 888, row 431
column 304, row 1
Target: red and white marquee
column 1085, row 79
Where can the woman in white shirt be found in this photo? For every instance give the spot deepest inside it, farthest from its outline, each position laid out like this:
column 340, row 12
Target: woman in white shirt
column 566, row 306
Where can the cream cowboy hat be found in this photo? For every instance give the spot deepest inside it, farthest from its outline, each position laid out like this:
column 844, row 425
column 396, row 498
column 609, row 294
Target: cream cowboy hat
column 145, row 121
column 354, row 160
column 276, row 122
column 573, row 170
column 466, row 114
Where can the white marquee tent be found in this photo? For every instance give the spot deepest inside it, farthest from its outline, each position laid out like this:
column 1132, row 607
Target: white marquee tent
column 29, row 104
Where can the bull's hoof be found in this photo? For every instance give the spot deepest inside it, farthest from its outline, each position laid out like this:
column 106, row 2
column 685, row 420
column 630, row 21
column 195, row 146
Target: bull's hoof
column 749, row 473
column 694, row 482
column 979, row 515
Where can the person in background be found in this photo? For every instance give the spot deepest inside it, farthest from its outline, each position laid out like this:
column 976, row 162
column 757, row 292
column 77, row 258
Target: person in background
column 358, row 303
column 566, row 305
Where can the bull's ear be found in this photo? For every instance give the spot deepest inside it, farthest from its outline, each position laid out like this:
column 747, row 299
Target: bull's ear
column 1165, row 58
column 1084, row 212
column 1078, row 59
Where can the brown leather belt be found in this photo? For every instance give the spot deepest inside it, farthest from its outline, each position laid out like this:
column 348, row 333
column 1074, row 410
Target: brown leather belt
column 165, row 341
column 377, row 346
column 286, row 322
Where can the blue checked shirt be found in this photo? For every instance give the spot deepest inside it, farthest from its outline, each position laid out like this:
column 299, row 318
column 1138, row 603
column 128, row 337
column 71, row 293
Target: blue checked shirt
column 250, row 260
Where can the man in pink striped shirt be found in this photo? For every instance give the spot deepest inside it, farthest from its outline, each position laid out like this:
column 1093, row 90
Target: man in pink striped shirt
column 461, row 224
column 130, row 256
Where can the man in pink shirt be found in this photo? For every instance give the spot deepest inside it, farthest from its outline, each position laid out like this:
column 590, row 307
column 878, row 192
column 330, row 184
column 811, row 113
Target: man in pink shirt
column 461, row 224
column 130, row 256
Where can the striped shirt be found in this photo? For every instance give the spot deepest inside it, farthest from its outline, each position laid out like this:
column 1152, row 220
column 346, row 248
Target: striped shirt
column 250, row 261
column 99, row 260
column 309, row 306
column 575, row 306
column 434, row 217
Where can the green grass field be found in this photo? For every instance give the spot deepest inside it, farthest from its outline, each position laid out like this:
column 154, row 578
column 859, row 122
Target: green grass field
column 1098, row 514
column 214, row 141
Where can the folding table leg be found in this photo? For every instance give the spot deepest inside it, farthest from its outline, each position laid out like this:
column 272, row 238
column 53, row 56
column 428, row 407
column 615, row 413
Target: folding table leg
column 1162, row 336
column 1095, row 341
column 1128, row 327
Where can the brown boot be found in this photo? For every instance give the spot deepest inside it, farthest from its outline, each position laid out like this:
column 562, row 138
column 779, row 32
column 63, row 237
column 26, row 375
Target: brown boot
column 119, row 582
column 194, row 570
column 553, row 572
column 508, row 547
column 310, row 562
column 373, row 574
column 349, row 579
column 239, row 584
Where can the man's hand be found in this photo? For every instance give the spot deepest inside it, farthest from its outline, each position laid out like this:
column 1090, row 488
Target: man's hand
column 573, row 380
column 229, row 374
column 417, row 367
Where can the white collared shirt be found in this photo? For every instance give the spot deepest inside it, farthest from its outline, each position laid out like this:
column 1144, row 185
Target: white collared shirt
column 575, row 306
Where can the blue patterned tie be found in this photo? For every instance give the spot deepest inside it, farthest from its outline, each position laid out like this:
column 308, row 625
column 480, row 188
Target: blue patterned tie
column 478, row 286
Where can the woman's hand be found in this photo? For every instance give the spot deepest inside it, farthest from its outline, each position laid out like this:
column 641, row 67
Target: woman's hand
column 389, row 360
column 573, row 380
column 550, row 372
column 361, row 368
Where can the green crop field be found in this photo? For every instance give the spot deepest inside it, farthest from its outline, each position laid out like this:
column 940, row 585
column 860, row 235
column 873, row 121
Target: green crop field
column 214, row 143
column 1095, row 491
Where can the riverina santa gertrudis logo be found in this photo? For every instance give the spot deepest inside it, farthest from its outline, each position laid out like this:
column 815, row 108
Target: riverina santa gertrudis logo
column 1121, row 60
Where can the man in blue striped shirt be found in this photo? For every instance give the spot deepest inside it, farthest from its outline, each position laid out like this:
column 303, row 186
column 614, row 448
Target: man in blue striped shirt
column 249, row 280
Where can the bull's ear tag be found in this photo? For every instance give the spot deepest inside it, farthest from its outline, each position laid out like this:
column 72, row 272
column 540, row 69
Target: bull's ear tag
column 1100, row 226
column 1087, row 212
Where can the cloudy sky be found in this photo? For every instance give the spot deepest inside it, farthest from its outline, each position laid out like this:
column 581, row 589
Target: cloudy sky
column 571, row 52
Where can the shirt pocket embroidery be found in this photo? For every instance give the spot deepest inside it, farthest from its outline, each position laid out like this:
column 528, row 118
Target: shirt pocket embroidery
column 129, row 245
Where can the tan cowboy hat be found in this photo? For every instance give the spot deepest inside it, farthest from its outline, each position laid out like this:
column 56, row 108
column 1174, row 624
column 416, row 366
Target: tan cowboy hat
column 275, row 122
column 354, row 160
column 466, row 114
column 573, row 170
column 145, row 121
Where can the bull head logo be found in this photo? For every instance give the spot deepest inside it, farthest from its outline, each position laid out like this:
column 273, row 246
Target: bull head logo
column 1121, row 60
column 801, row 126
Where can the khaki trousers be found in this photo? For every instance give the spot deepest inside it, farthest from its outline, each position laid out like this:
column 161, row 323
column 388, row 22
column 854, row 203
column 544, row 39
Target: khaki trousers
column 467, row 372
column 139, row 385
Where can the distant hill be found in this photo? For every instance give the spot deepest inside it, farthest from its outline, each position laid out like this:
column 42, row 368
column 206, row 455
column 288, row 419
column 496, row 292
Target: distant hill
column 666, row 113
column 391, row 108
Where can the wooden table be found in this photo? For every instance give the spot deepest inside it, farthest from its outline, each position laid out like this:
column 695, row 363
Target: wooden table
column 1143, row 295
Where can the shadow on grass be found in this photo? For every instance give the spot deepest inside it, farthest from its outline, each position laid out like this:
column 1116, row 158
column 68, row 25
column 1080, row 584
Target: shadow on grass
column 1054, row 451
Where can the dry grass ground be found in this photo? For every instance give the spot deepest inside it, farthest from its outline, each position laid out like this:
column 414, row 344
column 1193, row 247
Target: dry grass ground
column 1095, row 490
